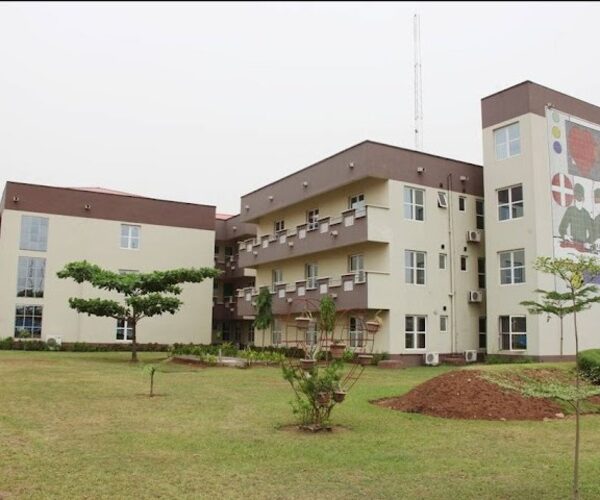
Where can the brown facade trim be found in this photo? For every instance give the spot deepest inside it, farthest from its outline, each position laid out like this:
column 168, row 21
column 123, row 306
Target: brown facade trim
column 106, row 206
column 233, row 229
column 367, row 159
column 530, row 97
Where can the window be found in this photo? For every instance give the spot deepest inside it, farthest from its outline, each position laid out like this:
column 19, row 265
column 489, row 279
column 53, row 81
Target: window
column 481, row 272
column 414, row 208
column 279, row 225
column 311, row 272
column 228, row 251
column 479, row 214
column 275, row 332
column 507, row 141
column 130, row 236
column 442, row 260
column 216, row 250
column 34, row 233
column 513, row 333
column 461, row 203
column 463, row 262
column 357, row 202
column 414, row 265
column 443, row 324
column 30, row 279
column 311, row 334
column 228, row 290
column 442, row 199
column 356, row 266
column 482, row 332
column 276, row 276
column 124, row 330
column 28, row 321
column 356, row 332
column 414, row 332
column 512, row 267
column 510, row 203
column 251, row 334
column 312, row 219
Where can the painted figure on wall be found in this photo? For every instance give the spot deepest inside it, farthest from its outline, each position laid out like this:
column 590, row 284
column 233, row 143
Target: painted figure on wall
column 576, row 226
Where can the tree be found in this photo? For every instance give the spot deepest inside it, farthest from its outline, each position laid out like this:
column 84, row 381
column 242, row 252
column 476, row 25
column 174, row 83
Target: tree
column 145, row 294
column 553, row 304
column 573, row 273
column 264, row 312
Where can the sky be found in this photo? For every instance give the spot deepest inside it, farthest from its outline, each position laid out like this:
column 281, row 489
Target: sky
column 204, row 102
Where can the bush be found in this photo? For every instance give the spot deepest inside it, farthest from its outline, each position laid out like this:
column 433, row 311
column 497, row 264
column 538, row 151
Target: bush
column 588, row 363
column 498, row 359
column 12, row 344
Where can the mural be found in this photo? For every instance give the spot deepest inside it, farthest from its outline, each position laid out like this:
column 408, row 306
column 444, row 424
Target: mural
column 575, row 183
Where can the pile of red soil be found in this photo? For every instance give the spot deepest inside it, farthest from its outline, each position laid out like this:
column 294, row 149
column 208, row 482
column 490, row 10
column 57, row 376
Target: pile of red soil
column 465, row 394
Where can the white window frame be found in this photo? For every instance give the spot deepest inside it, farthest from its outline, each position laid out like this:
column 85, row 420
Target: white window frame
column 512, row 267
column 411, row 206
column 443, row 323
column 415, row 333
column 34, row 233
column 312, row 334
column 251, row 334
column 30, row 276
column 511, row 204
column 442, row 199
column 442, row 261
column 462, row 203
column 356, row 265
column 356, row 334
column 357, row 202
column 276, row 332
column 125, row 330
column 129, row 240
column 511, row 333
column 506, row 146
column 411, row 267
column 312, row 219
column 279, row 225
column 311, row 273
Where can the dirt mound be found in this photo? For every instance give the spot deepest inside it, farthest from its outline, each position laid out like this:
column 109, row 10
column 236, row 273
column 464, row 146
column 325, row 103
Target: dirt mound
column 465, row 394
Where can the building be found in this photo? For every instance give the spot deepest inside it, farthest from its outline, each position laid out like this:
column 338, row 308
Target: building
column 227, row 324
column 42, row 228
column 387, row 232
column 542, row 198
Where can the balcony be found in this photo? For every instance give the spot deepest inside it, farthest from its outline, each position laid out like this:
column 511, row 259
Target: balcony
column 226, row 310
column 363, row 290
column 231, row 269
column 353, row 226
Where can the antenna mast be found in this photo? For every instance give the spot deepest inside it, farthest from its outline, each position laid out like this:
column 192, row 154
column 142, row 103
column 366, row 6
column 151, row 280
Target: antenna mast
column 418, row 85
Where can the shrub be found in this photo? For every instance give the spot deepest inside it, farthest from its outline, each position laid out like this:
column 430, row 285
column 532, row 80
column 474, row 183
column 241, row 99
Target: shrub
column 588, row 363
column 497, row 359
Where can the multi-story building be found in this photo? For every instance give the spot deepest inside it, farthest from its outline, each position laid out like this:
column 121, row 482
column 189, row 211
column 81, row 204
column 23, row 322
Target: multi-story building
column 42, row 228
column 228, row 325
column 542, row 198
column 385, row 231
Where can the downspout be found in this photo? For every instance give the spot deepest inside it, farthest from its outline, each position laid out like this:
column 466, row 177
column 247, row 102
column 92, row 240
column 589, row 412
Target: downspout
column 451, row 264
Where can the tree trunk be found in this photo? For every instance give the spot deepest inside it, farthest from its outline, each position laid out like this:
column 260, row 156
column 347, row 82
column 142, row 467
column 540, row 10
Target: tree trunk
column 134, row 358
column 152, row 383
column 577, row 411
column 561, row 336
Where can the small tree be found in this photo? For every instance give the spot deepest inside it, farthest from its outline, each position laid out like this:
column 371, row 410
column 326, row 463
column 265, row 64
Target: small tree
column 264, row 311
column 573, row 274
column 145, row 294
column 327, row 316
column 553, row 304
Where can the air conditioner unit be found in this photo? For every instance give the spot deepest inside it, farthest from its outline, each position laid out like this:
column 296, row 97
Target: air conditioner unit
column 470, row 356
column 474, row 236
column 475, row 296
column 54, row 341
column 290, row 243
column 432, row 358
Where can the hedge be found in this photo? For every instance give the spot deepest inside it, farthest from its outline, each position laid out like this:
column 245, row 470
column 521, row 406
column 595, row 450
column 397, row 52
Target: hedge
column 589, row 365
column 12, row 344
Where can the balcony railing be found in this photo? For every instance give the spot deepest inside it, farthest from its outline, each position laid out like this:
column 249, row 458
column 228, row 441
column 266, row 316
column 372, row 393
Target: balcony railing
column 231, row 268
column 356, row 225
column 360, row 290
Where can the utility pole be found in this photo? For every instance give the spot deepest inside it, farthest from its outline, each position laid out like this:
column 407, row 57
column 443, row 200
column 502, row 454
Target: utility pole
column 418, row 85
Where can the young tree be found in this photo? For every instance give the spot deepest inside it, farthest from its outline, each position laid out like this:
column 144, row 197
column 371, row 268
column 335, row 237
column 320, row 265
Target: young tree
column 145, row 294
column 573, row 274
column 553, row 304
column 264, row 312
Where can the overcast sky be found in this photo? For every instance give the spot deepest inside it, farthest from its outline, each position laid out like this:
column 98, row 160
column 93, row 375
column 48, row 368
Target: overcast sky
column 206, row 102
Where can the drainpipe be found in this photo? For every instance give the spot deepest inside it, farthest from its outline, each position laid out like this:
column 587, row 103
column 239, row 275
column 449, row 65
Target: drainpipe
column 451, row 264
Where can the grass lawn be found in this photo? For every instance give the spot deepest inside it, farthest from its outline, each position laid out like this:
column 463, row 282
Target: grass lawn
column 77, row 425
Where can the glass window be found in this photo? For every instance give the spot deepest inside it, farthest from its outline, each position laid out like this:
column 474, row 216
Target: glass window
column 251, row 334
column 414, row 265
column 279, row 225
column 356, row 266
column 479, row 214
column 312, row 334
column 513, row 333
column 356, row 332
column 442, row 200
column 275, row 332
column 311, row 271
column 481, row 272
column 30, row 279
column 28, row 321
column 507, row 141
column 357, row 202
column 463, row 262
column 130, row 236
column 510, row 203
column 482, row 332
column 443, row 324
column 414, row 332
column 124, row 330
column 312, row 219
column 34, row 233
column 443, row 259
column 512, row 267
column 276, row 276
column 414, row 206
column 461, row 203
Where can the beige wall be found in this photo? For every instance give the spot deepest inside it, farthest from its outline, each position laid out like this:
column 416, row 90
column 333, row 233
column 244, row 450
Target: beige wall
column 98, row 241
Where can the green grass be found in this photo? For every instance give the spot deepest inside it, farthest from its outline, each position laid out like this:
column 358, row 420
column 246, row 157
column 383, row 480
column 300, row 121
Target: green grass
column 77, row 425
